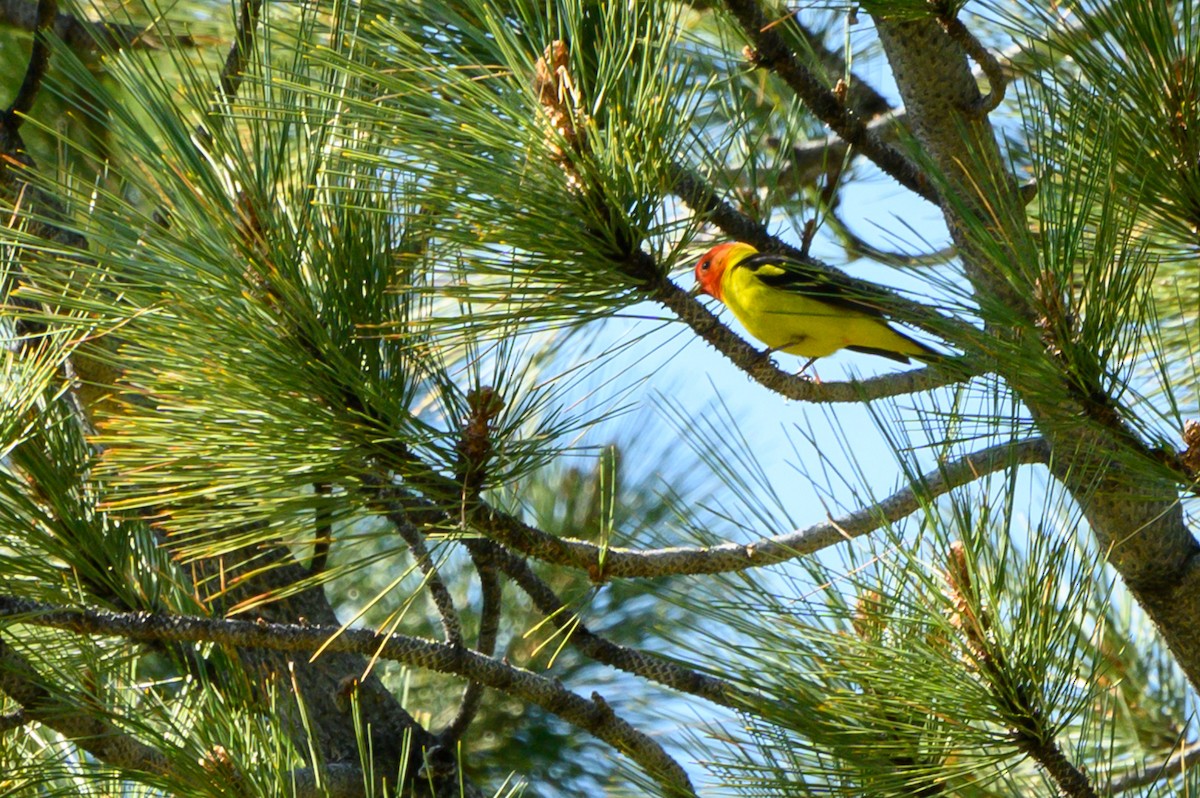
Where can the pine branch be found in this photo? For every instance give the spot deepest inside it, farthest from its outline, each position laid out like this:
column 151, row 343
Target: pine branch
column 333, row 732
column 1071, row 781
column 606, row 562
column 810, row 158
column 399, row 743
column 1010, row 691
column 488, row 556
column 939, row 92
column 771, row 52
column 267, row 583
column 475, row 450
column 594, row 716
column 701, row 198
column 117, row 749
column 1178, row 763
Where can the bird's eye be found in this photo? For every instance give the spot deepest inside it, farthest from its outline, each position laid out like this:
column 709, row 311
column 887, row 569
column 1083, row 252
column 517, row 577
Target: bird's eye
column 704, row 264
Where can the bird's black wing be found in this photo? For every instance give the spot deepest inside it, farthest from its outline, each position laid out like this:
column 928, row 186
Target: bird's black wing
column 791, row 274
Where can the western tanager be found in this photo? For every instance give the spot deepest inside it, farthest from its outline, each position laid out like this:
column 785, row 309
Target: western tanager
column 791, row 308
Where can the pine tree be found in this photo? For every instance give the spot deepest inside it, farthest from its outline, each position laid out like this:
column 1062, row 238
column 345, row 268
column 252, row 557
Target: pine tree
column 353, row 443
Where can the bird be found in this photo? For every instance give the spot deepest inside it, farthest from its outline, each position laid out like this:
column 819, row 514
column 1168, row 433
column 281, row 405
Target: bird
column 793, row 308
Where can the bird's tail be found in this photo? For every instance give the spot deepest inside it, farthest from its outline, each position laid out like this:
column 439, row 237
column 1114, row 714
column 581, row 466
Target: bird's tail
column 905, row 348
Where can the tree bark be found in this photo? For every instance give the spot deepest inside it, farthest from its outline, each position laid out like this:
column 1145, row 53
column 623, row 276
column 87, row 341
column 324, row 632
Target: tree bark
column 1130, row 501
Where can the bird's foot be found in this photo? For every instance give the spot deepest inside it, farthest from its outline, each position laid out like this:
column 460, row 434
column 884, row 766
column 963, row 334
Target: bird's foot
column 767, row 353
column 807, row 365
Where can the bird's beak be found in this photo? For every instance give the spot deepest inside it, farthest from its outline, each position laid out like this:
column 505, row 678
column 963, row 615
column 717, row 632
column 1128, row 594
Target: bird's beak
column 696, row 290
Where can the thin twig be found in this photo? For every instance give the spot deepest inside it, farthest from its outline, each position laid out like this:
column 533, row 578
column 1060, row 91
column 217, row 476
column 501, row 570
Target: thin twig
column 771, row 52
column 826, row 201
column 232, row 73
column 810, row 159
column 860, row 95
column 590, row 644
column 475, row 451
column 492, row 603
column 489, row 632
column 608, row 562
column 1144, row 776
column 594, row 716
column 442, row 600
column 997, row 76
column 858, row 247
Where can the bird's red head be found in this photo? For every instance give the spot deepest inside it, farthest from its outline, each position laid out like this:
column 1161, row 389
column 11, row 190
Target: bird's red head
column 711, row 268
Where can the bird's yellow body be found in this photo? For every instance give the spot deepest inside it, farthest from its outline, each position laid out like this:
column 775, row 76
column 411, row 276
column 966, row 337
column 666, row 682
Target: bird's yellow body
column 797, row 312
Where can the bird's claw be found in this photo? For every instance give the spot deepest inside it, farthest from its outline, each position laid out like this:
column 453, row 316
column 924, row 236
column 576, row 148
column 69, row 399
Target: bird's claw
column 816, row 378
column 771, row 350
column 768, row 355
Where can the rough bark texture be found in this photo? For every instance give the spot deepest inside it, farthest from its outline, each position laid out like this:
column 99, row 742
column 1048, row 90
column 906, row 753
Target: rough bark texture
column 1130, row 502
